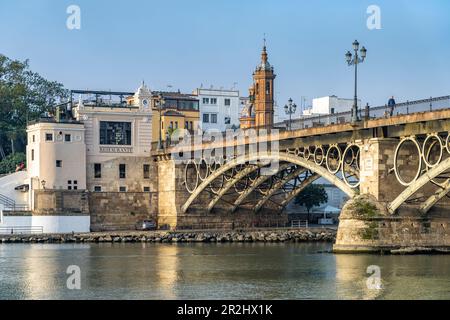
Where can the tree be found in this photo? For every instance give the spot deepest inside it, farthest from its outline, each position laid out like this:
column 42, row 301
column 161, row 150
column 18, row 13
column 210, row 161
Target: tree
column 312, row 196
column 10, row 163
column 24, row 96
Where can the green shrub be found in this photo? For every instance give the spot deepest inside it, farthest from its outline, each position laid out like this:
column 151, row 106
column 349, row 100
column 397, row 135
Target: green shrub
column 9, row 164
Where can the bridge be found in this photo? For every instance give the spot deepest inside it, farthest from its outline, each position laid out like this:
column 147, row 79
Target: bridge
column 394, row 170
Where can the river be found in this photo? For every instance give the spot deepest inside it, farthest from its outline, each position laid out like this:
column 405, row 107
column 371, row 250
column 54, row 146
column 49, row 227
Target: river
column 215, row 271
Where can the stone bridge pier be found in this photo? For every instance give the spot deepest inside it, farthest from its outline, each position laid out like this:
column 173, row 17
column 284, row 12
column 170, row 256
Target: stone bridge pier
column 395, row 209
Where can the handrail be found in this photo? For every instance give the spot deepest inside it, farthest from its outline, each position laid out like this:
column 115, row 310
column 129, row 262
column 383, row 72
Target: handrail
column 7, row 201
column 299, row 223
column 21, row 230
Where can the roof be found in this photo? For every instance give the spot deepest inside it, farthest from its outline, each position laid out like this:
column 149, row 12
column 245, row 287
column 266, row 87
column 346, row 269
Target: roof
column 173, row 113
column 175, row 95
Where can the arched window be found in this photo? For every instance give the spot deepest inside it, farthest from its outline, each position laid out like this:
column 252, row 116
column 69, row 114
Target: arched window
column 267, row 87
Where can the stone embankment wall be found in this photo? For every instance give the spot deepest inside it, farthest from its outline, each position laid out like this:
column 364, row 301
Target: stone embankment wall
column 276, row 235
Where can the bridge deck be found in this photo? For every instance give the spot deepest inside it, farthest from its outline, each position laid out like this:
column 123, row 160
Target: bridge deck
column 334, row 129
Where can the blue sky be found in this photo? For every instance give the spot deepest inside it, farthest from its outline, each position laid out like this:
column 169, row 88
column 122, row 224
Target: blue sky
column 217, row 42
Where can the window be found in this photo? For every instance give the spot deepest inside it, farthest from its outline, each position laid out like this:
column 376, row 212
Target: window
column 176, row 124
column 205, row 100
column 227, row 102
column 67, row 138
column 115, row 133
column 122, row 189
column 213, row 118
column 332, row 110
column 32, row 154
column 34, row 138
column 206, row 117
column 58, row 163
column 186, row 124
column 97, row 170
column 191, row 126
column 122, row 171
column 171, row 125
column 227, row 120
column 75, row 181
column 75, row 188
column 146, row 189
column 97, row 189
column 213, row 100
column 146, row 171
column 267, row 87
column 49, row 137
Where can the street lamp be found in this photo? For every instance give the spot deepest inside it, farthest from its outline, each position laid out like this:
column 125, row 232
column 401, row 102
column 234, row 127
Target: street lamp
column 290, row 109
column 161, row 103
column 354, row 61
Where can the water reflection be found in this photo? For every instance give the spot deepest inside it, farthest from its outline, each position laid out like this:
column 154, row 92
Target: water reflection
column 214, row 271
column 352, row 278
column 167, row 270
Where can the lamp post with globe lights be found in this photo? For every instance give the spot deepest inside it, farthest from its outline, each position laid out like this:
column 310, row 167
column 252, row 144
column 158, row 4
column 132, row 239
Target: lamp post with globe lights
column 354, row 60
column 290, row 109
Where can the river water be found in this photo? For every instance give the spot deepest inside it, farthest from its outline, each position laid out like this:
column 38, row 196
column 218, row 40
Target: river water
column 215, row 271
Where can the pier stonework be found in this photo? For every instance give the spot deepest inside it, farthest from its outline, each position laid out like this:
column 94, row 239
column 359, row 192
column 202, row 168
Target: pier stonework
column 376, row 162
column 366, row 225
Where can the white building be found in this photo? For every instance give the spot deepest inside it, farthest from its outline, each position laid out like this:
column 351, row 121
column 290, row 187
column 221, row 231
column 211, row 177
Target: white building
column 329, row 105
column 219, row 109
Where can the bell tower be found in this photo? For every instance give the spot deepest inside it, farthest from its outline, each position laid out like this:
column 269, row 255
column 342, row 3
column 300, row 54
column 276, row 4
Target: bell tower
column 263, row 79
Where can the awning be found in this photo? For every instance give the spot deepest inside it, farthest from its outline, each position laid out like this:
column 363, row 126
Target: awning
column 22, row 187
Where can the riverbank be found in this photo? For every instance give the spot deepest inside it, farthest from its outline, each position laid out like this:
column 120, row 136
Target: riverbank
column 274, row 235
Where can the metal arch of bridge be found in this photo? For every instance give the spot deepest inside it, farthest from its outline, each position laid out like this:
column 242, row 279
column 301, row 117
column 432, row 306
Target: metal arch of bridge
column 296, row 191
column 260, row 180
column 241, row 174
column 280, row 157
column 432, row 200
column 277, row 186
column 419, row 183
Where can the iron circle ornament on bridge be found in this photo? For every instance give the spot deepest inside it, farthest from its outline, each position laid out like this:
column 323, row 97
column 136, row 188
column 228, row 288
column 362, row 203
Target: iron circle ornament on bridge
column 447, row 143
column 306, row 153
column 203, row 169
column 396, row 160
column 333, row 159
column 427, row 148
column 350, row 159
column 319, row 155
column 190, row 176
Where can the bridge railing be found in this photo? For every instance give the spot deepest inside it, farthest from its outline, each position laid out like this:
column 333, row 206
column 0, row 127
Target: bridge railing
column 367, row 112
column 22, row 230
column 242, row 225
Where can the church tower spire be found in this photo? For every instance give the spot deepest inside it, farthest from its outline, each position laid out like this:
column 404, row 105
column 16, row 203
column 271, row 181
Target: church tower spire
column 263, row 78
column 258, row 112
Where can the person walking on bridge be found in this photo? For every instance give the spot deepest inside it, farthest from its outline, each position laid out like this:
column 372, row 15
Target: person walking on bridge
column 391, row 105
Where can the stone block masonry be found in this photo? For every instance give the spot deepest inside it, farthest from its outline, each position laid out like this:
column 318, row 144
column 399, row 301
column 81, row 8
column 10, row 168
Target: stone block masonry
column 121, row 210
